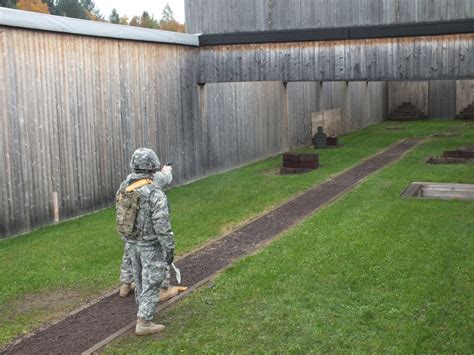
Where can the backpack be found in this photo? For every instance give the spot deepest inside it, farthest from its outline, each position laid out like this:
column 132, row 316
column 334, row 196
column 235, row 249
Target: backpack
column 127, row 203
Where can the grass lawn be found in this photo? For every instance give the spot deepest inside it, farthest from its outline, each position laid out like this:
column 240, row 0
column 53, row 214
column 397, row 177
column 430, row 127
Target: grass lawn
column 372, row 272
column 53, row 270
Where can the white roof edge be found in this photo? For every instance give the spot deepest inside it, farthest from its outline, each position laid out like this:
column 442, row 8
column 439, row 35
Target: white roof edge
column 34, row 20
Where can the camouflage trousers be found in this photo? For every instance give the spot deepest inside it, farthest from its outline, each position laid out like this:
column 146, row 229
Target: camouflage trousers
column 148, row 269
column 126, row 274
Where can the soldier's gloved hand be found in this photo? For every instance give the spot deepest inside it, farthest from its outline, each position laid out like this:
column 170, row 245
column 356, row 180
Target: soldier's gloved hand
column 169, row 257
column 167, row 169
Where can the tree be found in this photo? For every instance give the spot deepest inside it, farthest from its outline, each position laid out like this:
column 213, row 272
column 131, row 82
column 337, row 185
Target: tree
column 51, row 6
column 168, row 23
column 95, row 16
column 82, row 9
column 91, row 12
column 135, row 21
column 173, row 25
column 124, row 20
column 114, row 16
column 88, row 5
column 8, row 3
column 167, row 15
column 71, row 8
column 148, row 21
column 32, row 5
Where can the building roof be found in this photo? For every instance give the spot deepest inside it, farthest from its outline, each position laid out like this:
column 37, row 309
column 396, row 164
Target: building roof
column 37, row 21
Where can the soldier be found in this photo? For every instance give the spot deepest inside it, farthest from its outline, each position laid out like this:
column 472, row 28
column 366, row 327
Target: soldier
column 161, row 179
column 143, row 220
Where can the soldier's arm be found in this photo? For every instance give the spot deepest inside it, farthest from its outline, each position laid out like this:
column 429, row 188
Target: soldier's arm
column 161, row 220
column 162, row 179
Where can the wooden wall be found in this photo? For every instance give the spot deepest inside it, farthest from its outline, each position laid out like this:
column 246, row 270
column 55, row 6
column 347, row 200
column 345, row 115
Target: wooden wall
column 243, row 122
column 304, row 98
column 442, row 99
column 415, row 92
column 219, row 16
column 438, row 99
column 409, row 58
column 361, row 104
column 74, row 108
column 464, row 94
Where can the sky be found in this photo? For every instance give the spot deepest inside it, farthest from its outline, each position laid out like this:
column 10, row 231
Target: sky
column 136, row 7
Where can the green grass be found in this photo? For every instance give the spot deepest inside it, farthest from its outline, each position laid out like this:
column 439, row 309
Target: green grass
column 80, row 258
column 372, row 272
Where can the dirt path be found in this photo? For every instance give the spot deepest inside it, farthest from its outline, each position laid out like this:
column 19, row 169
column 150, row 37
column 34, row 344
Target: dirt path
column 82, row 330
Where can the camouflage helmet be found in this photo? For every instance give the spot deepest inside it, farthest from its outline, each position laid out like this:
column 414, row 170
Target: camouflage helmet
column 144, row 159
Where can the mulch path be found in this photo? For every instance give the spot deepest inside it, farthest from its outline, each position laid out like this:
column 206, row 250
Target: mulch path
column 82, row 330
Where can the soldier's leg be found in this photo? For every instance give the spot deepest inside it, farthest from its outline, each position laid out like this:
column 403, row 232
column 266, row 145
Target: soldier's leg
column 152, row 275
column 134, row 256
column 166, row 281
column 148, row 274
column 126, row 275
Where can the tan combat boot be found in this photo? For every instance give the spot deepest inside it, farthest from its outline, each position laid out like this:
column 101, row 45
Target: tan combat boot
column 125, row 289
column 145, row 327
column 167, row 293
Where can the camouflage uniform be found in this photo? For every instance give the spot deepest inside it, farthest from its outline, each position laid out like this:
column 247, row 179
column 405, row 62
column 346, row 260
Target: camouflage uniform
column 161, row 180
column 166, row 280
column 126, row 275
column 147, row 253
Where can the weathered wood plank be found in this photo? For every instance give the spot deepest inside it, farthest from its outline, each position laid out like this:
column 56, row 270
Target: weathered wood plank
column 412, row 58
column 442, row 99
column 223, row 16
column 4, row 156
column 21, row 140
column 66, row 119
column 464, row 94
column 413, row 92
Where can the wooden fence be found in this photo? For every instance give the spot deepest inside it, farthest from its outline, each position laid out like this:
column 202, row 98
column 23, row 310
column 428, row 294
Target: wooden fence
column 361, row 104
column 446, row 57
column 74, row 108
column 439, row 99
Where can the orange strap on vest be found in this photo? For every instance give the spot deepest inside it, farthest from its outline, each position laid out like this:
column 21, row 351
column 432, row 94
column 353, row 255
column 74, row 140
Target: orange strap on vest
column 138, row 184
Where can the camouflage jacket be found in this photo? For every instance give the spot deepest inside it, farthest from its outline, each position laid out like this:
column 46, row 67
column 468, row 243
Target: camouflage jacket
column 162, row 179
column 153, row 219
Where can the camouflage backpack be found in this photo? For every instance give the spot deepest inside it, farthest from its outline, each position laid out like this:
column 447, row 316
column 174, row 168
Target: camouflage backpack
column 127, row 204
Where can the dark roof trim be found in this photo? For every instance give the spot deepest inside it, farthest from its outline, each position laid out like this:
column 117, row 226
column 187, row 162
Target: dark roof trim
column 340, row 33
